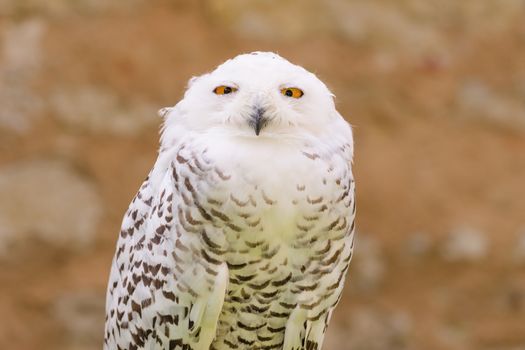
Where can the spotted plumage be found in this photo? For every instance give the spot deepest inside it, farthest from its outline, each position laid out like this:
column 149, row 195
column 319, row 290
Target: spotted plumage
column 241, row 235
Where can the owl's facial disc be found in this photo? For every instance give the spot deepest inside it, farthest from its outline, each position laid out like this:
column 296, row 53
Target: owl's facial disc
column 258, row 95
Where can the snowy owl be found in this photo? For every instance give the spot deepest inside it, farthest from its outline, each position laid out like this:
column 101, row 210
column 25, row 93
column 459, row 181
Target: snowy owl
column 241, row 235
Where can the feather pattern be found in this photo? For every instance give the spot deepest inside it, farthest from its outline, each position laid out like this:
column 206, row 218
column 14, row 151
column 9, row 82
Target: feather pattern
column 234, row 242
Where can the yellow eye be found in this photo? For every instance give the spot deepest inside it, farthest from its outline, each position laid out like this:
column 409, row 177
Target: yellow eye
column 292, row 92
column 224, row 90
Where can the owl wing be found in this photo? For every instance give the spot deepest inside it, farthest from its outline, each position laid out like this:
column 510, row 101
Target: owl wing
column 162, row 291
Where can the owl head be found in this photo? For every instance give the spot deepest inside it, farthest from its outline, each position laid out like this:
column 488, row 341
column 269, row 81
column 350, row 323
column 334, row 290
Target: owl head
column 255, row 95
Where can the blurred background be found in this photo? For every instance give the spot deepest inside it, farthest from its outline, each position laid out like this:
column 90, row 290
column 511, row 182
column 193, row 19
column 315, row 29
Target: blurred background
column 435, row 91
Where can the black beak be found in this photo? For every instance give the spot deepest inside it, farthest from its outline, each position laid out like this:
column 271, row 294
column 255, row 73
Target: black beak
column 258, row 120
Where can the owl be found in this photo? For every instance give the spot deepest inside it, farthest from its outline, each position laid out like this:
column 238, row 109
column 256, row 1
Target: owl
column 241, row 235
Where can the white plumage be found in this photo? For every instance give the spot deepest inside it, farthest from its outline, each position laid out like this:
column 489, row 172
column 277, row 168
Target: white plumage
column 241, row 235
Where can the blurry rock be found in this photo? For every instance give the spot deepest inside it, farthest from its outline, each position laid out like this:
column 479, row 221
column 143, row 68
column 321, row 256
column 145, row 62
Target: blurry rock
column 370, row 330
column 384, row 62
column 98, row 110
column 413, row 29
column 81, row 315
column 102, row 6
column 64, row 7
column 417, row 245
column 479, row 101
column 390, row 28
column 21, row 59
column 511, row 297
column 49, row 201
column 20, row 107
column 22, row 47
column 495, row 15
column 30, row 7
column 368, row 266
column 452, row 336
column 465, row 244
column 262, row 19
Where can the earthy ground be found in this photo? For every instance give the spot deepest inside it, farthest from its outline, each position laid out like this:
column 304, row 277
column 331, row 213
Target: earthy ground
column 436, row 93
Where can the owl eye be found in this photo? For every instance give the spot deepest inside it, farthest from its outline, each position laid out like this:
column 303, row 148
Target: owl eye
column 224, row 90
column 292, row 92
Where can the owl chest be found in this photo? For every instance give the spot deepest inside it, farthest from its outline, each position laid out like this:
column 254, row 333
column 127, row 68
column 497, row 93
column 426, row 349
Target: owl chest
column 272, row 225
column 280, row 207
column 282, row 225
column 283, row 252
column 258, row 207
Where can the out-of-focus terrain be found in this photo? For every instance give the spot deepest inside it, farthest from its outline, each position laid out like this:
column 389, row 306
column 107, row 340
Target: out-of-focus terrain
column 434, row 89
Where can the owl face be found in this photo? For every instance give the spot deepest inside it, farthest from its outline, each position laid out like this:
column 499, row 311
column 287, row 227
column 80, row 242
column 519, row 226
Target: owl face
column 258, row 95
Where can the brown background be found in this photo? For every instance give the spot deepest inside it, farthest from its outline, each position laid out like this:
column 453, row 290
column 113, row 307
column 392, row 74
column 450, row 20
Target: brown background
column 434, row 89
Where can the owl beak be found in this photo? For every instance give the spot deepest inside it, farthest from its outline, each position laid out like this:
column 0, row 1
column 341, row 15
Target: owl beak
column 257, row 119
